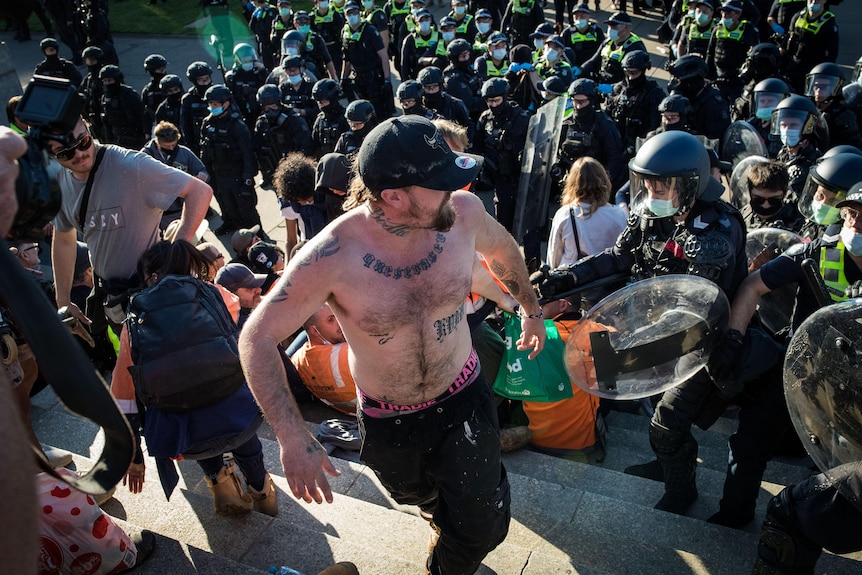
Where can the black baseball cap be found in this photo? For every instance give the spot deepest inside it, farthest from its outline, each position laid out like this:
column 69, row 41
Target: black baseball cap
column 619, row 18
column 410, row 151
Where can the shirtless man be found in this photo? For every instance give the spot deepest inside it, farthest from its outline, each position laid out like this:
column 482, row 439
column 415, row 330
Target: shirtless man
column 396, row 271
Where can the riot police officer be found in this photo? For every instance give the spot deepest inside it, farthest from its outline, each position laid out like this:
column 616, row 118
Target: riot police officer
column 795, row 123
column 193, row 107
column 169, row 110
column 435, row 98
column 91, row 90
column 606, row 64
column 674, row 110
column 330, row 122
column 710, row 112
column 460, row 79
column 280, row 26
column 730, row 42
column 278, row 131
column 55, row 66
column 366, row 62
column 227, row 152
column 633, row 104
column 763, row 61
column 584, row 36
column 361, row 118
column 764, row 98
column 824, row 84
column 122, row 110
column 589, row 131
column 152, row 94
column 500, row 138
column 812, row 39
column 312, row 47
column 409, row 94
column 244, row 79
column 678, row 225
column 296, row 89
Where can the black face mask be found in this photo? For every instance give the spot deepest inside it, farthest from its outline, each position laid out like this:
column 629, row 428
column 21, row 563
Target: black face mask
column 766, row 211
column 94, row 69
column 433, row 100
column 113, row 89
column 689, row 87
column 273, row 114
column 175, row 98
column 201, row 90
column 463, row 66
column 638, row 82
column 585, row 114
column 333, row 110
column 501, row 109
column 52, row 57
column 156, row 76
column 167, row 153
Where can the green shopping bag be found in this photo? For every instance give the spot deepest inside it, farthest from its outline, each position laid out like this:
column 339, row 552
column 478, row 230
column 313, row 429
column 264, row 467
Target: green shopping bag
column 541, row 379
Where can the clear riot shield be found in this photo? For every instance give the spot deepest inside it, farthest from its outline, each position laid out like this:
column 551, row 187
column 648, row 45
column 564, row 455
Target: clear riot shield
column 739, row 180
column 740, row 141
column 823, row 387
column 761, row 245
column 647, row 337
column 540, row 152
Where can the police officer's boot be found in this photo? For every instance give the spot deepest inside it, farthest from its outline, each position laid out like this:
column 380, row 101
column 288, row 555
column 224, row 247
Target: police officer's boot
column 782, row 549
column 677, row 453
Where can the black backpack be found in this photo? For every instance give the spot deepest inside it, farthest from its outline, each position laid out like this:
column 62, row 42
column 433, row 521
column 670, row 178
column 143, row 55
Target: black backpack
column 183, row 344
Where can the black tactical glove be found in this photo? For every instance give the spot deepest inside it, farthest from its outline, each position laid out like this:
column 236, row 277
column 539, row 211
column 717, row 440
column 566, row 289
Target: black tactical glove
column 726, row 356
column 550, row 283
column 854, row 290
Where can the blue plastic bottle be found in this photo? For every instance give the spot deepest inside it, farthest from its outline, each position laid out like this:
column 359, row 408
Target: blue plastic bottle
column 283, row 570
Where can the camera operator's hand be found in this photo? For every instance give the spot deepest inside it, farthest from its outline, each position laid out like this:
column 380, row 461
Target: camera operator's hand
column 551, row 283
column 12, row 146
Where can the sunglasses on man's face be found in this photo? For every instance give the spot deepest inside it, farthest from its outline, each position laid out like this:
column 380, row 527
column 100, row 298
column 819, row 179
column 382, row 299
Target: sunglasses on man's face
column 82, row 143
column 760, row 200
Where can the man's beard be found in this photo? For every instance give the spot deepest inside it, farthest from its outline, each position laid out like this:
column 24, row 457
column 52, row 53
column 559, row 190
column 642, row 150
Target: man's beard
column 443, row 219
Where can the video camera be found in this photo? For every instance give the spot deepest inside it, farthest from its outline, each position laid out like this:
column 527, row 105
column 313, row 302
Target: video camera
column 51, row 107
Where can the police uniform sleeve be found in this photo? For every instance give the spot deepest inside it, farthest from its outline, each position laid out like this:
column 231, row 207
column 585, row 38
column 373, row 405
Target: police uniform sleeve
column 320, row 48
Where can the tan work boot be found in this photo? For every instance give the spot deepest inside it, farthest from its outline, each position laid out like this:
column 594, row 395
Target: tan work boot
column 341, row 568
column 265, row 501
column 228, row 496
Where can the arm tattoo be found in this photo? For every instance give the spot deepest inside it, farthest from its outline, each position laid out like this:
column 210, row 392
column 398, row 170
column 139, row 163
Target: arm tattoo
column 327, row 248
column 399, row 230
column 281, row 294
column 447, row 325
column 381, row 267
column 509, row 279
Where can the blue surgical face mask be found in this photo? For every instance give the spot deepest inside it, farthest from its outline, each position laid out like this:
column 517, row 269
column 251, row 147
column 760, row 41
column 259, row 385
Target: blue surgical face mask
column 367, row 4
column 727, row 22
column 216, row 111
column 483, row 27
column 814, row 9
column 460, row 10
column 448, row 36
column 295, row 79
column 284, row 12
column 323, row 6
column 424, row 27
column 764, row 113
column 499, row 53
column 703, row 19
column 824, row 214
column 305, row 29
column 538, row 43
column 851, row 240
column 613, row 34
column 789, row 136
column 551, row 55
column 353, row 20
column 661, row 208
column 581, row 23
column 291, row 51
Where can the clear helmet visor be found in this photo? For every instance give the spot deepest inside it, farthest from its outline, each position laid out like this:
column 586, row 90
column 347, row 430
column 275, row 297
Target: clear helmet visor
column 765, row 103
column 821, row 86
column 817, row 201
column 654, row 196
column 789, row 119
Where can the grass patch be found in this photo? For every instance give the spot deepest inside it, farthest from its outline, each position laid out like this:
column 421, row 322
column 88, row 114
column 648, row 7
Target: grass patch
column 174, row 17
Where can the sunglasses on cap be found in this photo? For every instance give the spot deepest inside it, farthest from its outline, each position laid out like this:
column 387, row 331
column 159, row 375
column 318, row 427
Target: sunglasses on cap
column 82, row 143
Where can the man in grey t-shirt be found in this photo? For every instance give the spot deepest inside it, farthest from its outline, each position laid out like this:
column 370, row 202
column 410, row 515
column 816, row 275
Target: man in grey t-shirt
column 130, row 191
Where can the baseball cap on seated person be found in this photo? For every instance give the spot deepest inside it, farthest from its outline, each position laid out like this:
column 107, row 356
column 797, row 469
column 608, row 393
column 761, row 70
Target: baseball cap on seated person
column 235, row 276
column 244, row 239
column 410, row 151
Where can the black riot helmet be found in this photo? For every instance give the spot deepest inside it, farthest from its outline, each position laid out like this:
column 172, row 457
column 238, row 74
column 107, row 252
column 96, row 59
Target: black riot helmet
column 93, row 52
column 430, row 75
column 842, row 149
column 763, row 60
column 111, row 71
column 294, row 39
column 677, row 162
column 360, row 111
column 494, row 87
column 827, row 184
column 457, row 47
column 827, row 79
column 795, row 110
column 218, row 93
column 676, row 104
column 49, row 43
column 766, row 96
column 244, row 56
column 268, row 94
column 584, row 87
column 410, row 90
column 170, row 81
column 689, row 75
column 326, row 89
column 198, row 70
column 153, row 62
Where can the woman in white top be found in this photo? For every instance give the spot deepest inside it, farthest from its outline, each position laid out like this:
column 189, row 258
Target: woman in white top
column 586, row 223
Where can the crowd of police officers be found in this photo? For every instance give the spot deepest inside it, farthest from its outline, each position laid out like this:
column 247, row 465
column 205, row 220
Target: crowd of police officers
column 768, row 67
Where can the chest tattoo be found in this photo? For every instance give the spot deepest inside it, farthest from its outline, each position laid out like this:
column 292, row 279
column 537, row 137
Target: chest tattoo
column 372, row 262
column 447, row 325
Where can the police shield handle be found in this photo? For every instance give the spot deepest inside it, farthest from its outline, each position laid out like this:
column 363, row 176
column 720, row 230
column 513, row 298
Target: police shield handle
column 815, row 282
